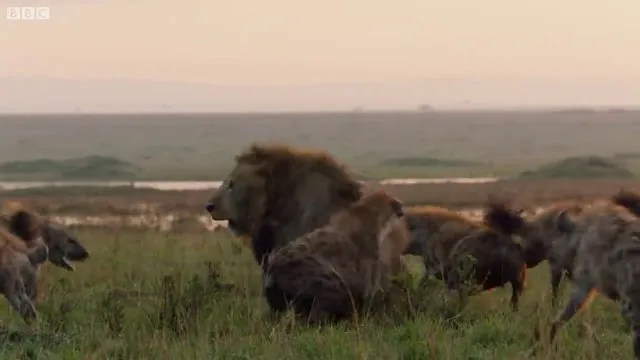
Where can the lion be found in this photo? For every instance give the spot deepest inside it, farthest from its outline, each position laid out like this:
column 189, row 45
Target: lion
column 607, row 261
column 446, row 239
column 277, row 193
column 332, row 272
column 19, row 271
column 543, row 240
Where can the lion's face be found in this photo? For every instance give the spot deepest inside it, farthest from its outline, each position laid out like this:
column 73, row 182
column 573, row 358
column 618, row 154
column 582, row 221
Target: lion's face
column 240, row 200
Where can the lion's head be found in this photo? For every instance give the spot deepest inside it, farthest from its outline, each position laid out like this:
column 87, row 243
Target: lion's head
column 241, row 199
column 287, row 190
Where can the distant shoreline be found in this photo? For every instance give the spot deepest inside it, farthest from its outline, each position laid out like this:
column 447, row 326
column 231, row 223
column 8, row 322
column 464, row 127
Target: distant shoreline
column 204, row 185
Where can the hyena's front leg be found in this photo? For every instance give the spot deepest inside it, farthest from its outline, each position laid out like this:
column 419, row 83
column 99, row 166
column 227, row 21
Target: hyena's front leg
column 557, row 273
column 431, row 270
column 34, row 287
column 20, row 302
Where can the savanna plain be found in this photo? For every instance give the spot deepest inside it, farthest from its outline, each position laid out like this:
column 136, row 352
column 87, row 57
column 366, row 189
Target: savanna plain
column 188, row 292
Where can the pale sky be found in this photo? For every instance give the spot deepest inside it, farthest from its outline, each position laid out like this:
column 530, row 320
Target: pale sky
column 266, row 42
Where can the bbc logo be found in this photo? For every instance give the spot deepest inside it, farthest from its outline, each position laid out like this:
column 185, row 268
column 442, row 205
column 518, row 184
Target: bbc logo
column 28, row 13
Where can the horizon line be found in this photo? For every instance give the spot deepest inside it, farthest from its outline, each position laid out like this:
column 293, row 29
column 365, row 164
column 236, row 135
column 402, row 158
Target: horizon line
column 334, row 82
column 363, row 111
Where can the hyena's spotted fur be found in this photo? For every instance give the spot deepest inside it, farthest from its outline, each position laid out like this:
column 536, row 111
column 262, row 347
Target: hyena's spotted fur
column 543, row 239
column 606, row 237
column 445, row 239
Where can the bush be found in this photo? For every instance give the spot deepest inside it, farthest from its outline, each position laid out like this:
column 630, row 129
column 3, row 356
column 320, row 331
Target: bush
column 579, row 167
column 428, row 161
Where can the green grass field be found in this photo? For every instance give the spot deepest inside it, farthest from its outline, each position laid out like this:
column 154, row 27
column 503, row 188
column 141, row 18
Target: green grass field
column 376, row 145
column 112, row 307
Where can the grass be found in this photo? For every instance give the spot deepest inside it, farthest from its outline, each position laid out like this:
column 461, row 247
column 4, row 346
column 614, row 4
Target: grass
column 202, row 146
column 194, row 294
column 115, row 306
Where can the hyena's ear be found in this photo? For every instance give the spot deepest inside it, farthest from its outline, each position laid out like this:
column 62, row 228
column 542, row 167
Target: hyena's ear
column 628, row 199
column 25, row 225
column 564, row 222
column 397, row 206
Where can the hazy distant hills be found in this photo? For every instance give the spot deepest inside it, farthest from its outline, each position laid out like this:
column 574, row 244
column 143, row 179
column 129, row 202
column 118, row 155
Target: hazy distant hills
column 41, row 94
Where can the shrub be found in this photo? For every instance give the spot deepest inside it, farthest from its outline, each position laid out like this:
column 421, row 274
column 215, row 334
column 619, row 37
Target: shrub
column 579, row 167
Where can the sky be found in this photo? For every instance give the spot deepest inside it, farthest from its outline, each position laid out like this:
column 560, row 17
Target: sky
column 285, row 42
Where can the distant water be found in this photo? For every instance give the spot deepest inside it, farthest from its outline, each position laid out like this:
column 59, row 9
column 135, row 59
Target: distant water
column 204, row 185
column 167, row 221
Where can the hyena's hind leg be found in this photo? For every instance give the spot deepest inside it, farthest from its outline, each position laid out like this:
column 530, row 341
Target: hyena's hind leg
column 629, row 293
column 336, row 302
column 276, row 298
column 631, row 313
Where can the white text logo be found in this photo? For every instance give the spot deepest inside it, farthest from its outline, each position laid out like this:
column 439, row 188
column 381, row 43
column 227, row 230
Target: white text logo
column 28, row 13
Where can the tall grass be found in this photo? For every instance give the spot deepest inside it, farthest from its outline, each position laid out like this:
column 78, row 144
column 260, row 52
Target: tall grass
column 152, row 295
